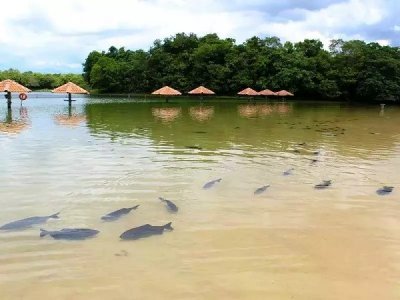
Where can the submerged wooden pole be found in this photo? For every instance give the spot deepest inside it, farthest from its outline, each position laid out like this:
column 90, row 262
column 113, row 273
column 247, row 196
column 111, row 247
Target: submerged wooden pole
column 9, row 115
column 8, row 100
column 69, row 99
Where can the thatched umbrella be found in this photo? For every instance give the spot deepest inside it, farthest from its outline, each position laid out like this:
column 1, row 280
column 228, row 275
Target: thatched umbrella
column 284, row 93
column 70, row 88
column 249, row 92
column 267, row 93
column 201, row 90
column 167, row 91
column 10, row 86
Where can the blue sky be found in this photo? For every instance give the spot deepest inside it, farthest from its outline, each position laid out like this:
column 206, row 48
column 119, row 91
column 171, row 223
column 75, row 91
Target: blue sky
column 57, row 35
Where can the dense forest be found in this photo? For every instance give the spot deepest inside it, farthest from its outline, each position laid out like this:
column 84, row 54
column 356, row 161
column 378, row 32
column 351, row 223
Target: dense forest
column 39, row 81
column 353, row 69
column 348, row 70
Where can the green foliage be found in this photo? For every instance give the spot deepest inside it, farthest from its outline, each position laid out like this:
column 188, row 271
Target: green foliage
column 39, row 81
column 350, row 69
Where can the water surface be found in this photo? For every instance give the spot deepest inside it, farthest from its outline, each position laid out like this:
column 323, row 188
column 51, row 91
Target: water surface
column 290, row 242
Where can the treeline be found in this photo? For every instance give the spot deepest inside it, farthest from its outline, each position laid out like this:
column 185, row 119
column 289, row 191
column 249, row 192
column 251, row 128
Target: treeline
column 40, row 81
column 348, row 70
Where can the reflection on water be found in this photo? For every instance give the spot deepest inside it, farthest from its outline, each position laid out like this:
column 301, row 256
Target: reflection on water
column 166, row 114
column 201, row 113
column 290, row 242
column 260, row 110
column 12, row 125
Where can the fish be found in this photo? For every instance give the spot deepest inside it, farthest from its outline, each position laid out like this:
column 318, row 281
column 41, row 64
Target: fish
column 70, row 233
column 28, row 222
column 194, row 147
column 200, row 132
column 288, row 172
column 261, row 190
column 296, row 151
column 313, row 161
column 145, row 231
column 171, row 207
column 385, row 190
column 115, row 215
column 323, row 185
column 211, row 183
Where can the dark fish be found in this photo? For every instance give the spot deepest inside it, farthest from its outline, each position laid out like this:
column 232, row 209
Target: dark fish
column 323, row 185
column 302, row 144
column 70, row 233
column 28, row 222
column 145, row 231
column 194, row 147
column 314, row 161
column 288, row 172
column 296, row 151
column 385, row 190
column 211, row 183
column 115, row 215
column 171, row 207
column 261, row 190
column 316, row 153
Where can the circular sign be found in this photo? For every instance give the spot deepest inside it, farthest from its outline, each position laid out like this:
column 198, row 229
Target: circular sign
column 23, row 96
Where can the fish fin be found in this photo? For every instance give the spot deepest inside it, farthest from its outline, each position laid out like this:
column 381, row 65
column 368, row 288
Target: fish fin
column 135, row 207
column 168, row 226
column 55, row 216
column 43, row 232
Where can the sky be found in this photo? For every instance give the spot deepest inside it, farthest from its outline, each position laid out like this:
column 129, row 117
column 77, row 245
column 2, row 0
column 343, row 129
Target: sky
column 55, row 36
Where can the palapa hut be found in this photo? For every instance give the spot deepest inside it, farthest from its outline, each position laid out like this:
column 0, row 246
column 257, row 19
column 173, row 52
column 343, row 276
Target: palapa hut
column 267, row 93
column 284, row 93
column 249, row 92
column 70, row 88
column 167, row 91
column 201, row 90
column 10, row 86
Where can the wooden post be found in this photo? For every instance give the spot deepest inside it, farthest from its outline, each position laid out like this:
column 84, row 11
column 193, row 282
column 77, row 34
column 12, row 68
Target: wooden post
column 8, row 100
column 9, row 115
column 69, row 99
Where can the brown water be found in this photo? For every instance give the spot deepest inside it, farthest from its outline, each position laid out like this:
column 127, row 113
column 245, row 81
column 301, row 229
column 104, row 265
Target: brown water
column 291, row 242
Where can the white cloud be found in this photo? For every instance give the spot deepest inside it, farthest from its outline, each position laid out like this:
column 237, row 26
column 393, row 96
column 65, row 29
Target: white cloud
column 58, row 35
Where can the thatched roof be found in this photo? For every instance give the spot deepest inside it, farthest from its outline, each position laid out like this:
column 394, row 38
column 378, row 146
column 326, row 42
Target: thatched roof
column 70, row 88
column 9, row 85
column 248, row 92
column 166, row 91
column 267, row 92
column 201, row 90
column 284, row 93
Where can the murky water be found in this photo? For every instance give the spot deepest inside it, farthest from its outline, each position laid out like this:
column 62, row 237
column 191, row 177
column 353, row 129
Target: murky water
column 290, row 242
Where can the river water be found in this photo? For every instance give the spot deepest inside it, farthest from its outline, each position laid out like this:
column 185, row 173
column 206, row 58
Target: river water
column 290, row 242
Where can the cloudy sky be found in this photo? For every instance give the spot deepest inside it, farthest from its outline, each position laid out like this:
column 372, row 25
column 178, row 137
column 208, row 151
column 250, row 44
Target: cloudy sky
column 57, row 35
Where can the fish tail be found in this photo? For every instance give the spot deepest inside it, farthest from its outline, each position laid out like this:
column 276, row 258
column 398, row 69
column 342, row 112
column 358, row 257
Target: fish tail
column 55, row 216
column 162, row 199
column 43, row 232
column 168, row 226
column 218, row 180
